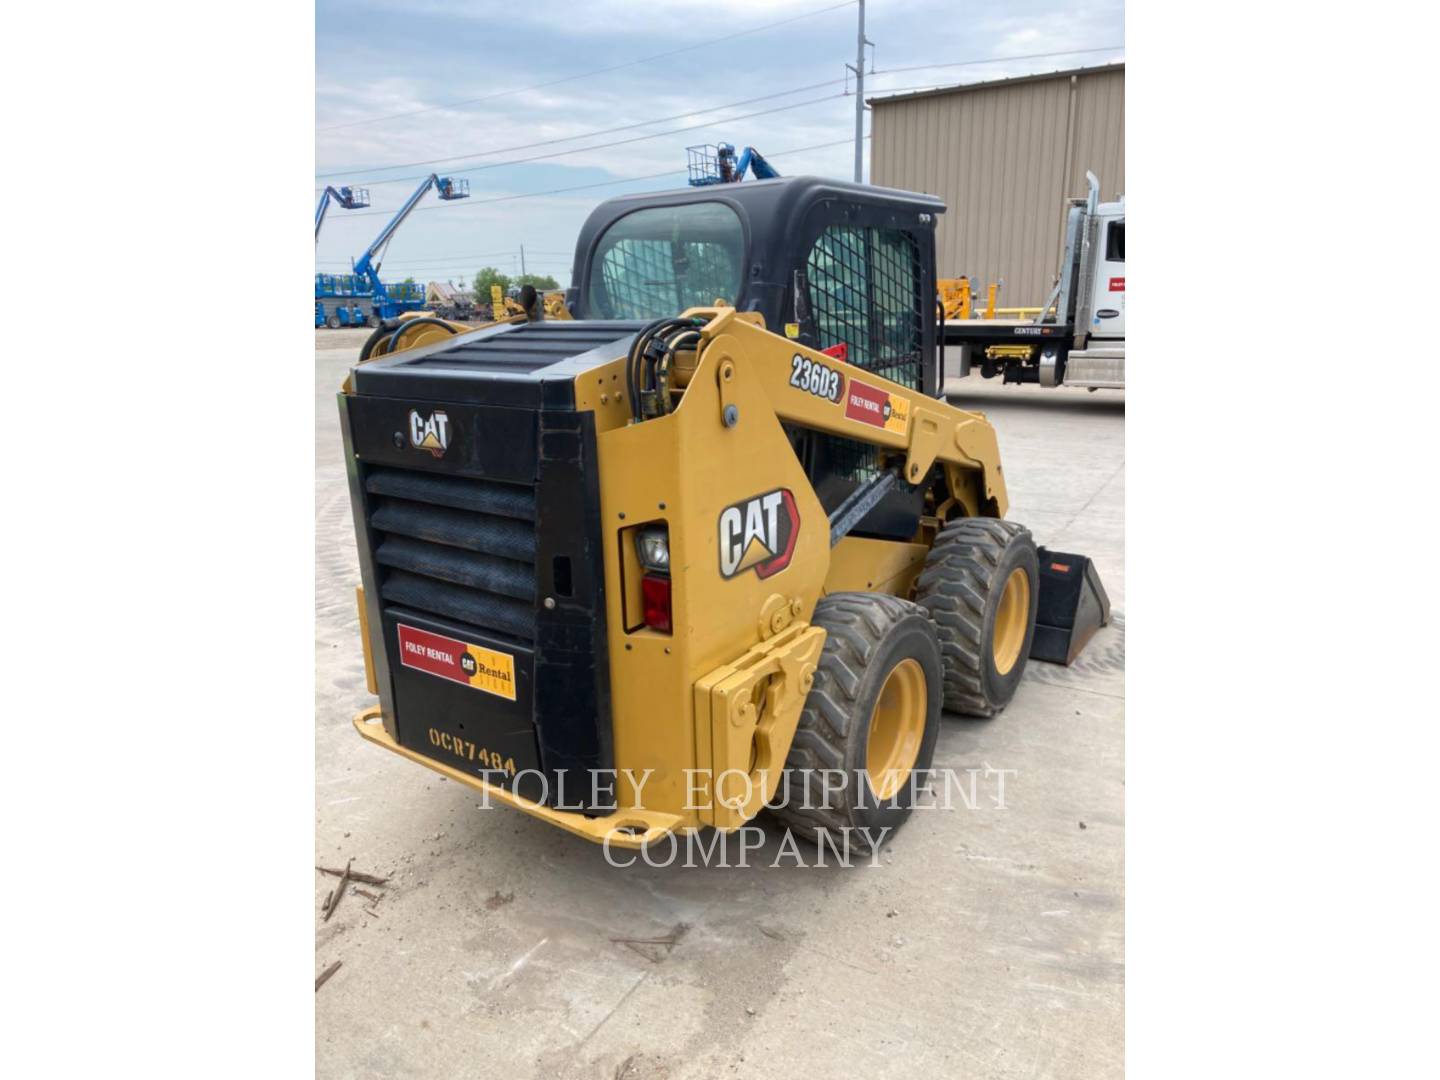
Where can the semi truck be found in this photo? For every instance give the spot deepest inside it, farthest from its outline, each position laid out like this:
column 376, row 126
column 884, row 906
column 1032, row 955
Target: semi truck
column 1078, row 339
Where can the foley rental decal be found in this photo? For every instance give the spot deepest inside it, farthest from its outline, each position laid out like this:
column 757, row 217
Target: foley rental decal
column 759, row 534
column 470, row 665
column 871, row 405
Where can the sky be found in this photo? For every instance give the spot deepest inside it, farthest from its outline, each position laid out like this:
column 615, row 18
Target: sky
column 397, row 83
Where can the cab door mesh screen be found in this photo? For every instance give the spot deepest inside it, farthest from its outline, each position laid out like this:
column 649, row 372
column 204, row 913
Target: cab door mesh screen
column 865, row 292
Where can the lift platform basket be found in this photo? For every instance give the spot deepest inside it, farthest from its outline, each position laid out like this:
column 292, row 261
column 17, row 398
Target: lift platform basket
column 1073, row 605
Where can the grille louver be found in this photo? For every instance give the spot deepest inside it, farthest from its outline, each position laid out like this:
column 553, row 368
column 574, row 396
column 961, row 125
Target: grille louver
column 455, row 547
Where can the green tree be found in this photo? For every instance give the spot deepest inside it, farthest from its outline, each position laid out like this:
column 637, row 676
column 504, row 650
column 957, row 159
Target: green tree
column 486, row 277
column 540, row 281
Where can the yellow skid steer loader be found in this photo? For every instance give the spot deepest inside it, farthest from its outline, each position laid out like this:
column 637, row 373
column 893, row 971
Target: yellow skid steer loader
column 708, row 544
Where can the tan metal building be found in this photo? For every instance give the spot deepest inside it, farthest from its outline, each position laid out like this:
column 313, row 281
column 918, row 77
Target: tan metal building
column 1004, row 156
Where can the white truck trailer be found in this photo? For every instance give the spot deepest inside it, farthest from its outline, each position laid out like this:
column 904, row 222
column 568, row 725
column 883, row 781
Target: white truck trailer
column 1078, row 339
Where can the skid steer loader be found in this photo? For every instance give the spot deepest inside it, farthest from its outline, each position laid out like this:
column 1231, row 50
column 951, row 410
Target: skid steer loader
column 702, row 548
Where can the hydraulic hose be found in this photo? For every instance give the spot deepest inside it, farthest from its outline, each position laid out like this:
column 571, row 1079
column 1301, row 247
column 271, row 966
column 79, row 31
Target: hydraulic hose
column 686, row 337
column 638, row 349
column 373, row 340
column 423, row 321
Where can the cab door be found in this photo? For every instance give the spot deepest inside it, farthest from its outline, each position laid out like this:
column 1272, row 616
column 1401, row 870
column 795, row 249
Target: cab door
column 1107, row 320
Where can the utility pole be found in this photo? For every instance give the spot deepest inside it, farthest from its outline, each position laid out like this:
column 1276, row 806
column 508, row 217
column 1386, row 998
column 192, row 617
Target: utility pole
column 522, row 260
column 860, row 42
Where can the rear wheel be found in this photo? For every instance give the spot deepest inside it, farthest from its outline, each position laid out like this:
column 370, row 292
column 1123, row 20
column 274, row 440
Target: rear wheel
column 867, row 732
column 373, row 320
column 981, row 587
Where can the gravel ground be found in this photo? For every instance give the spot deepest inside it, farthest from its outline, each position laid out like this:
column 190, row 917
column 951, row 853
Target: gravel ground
column 985, row 942
column 344, row 338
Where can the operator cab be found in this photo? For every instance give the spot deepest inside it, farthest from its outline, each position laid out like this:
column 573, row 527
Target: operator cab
column 826, row 262
column 839, row 267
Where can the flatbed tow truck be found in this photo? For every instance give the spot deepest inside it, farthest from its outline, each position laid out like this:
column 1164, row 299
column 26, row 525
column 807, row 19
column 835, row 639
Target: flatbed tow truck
column 1078, row 339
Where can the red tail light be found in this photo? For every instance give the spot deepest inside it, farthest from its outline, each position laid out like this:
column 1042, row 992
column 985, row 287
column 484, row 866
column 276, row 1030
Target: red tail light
column 655, row 591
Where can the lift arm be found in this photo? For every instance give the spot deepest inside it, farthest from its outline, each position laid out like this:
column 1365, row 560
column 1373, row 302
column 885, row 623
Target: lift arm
column 349, row 199
column 754, row 161
column 368, row 265
column 819, row 392
column 719, row 165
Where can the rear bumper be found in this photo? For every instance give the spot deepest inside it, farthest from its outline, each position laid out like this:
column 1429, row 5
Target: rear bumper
column 624, row 828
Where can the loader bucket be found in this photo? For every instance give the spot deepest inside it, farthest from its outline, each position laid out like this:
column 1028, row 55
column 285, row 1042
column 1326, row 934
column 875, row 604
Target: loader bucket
column 1073, row 605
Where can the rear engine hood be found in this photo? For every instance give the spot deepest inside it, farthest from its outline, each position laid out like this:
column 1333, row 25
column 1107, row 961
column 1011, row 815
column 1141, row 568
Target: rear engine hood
column 524, row 365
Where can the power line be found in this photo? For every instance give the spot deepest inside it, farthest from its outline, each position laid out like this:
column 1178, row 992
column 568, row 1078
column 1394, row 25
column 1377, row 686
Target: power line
column 581, row 135
column 666, row 119
column 602, row 183
column 480, row 255
column 604, row 145
column 998, row 59
column 434, row 264
column 708, row 43
column 443, row 264
column 930, row 86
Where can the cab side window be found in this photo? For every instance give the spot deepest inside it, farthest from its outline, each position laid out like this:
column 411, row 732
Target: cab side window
column 1115, row 241
column 664, row 259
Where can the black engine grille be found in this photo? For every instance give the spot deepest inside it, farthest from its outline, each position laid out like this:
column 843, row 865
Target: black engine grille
column 455, row 547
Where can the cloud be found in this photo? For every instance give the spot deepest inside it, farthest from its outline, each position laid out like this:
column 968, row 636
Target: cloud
column 375, row 58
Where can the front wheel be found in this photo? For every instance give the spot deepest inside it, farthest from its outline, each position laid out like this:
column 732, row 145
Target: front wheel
column 981, row 587
column 333, row 322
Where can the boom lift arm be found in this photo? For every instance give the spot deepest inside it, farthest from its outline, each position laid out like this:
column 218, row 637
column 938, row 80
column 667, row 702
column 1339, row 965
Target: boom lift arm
column 349, row 199
column 718, row 165
column 368, row 265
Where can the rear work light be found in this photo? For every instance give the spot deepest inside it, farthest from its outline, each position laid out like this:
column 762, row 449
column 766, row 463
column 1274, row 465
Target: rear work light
column 652, row 545
column 655, row 593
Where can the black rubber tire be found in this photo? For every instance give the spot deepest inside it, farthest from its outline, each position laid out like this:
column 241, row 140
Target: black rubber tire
column 373, row 320
column 333, row 322
column 867, row 635
column 960, row 589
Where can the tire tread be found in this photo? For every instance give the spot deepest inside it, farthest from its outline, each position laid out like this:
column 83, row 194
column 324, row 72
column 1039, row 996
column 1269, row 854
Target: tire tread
column 958, row 577
column 855, row 625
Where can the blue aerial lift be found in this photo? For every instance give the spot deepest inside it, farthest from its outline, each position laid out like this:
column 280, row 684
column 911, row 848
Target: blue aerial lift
column 349, row 198
column 718, row 165
column 361, row 298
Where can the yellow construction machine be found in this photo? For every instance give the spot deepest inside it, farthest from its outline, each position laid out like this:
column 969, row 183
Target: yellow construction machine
column 713, row 544
column 418, row 328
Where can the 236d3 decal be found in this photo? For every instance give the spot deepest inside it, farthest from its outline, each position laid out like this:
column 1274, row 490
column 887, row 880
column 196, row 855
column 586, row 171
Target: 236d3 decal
column 815, row 378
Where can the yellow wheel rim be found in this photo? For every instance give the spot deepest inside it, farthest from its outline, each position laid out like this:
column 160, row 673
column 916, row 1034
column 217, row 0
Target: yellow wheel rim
column 896, row 727
column 1010, row 621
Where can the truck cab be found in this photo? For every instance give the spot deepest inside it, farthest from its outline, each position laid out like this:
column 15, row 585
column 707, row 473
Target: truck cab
column 1107, row 296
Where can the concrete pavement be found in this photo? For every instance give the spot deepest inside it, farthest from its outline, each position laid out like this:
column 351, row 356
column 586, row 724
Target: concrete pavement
column 986, row 942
